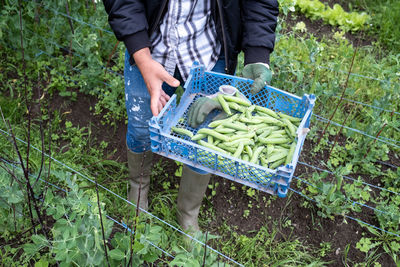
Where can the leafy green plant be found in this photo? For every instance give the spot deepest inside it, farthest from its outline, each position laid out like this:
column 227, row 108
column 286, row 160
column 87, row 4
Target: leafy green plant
column 384, row 20
column 195, row 254
column 75, row 229
column 325, row 249
column 76, row 236
column 335, row 16
column 213, row 186
column 389, row 243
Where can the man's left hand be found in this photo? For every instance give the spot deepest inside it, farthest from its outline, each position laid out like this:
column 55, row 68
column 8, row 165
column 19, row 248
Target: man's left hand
column 260, row 73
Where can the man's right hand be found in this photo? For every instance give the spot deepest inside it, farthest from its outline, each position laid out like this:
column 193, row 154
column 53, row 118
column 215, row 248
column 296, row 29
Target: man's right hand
column 154, row 75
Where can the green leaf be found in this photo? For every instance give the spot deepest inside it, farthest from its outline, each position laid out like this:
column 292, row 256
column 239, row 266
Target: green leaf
column 42, row 263
column 179, row 260
column 12, row 194
column 61, row 255
column 39, row 240
column 365, row 244
column 395, row 246
column 150, row 257
column 98, row 257
column 178, row 172
column 31, row 249
column 116, row 254
column 137, row 247
column 66, row 234
column 15, row 197
column 183, row 260
column 60, row 212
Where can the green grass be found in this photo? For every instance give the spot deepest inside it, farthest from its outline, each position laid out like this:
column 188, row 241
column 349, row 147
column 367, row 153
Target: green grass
column 385, row 20
column 266, row 247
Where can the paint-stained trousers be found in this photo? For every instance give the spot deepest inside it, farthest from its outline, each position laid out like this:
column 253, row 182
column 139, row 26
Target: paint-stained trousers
column 137, row 100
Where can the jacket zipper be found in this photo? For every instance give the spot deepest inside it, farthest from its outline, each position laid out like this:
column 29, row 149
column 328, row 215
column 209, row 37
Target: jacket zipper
column 223, row 35
column 158, row 17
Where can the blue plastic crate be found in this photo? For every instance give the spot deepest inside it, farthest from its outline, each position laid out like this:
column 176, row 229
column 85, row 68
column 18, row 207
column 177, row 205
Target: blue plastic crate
column 181, row 148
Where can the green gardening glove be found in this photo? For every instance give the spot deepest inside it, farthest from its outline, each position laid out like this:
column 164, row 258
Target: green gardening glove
column 260, row 73
column 200, row 109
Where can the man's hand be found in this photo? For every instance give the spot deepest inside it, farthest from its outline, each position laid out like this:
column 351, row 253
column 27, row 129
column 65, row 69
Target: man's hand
column 200, row 109
column 154, row 75
column 260, row 73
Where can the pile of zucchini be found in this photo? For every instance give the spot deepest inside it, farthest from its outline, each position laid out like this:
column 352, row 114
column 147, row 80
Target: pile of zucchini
column 251, row 133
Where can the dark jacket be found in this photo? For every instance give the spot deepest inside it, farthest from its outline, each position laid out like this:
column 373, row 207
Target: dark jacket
column 248, row 26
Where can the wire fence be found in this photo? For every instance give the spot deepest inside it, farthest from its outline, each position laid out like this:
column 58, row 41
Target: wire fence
column 352, row 201
column 119, row 222
column 325, row 120
column 389, row 141
column 119, row 74
column 59, row 13
column 348, row 178
column 315, row 116
column 124, row 199
column 347, row 216
column 386, row 140
column 122, row 224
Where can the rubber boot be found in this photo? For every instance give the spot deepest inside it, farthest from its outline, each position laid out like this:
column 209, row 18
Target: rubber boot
column 192, row 188
column 139, row 165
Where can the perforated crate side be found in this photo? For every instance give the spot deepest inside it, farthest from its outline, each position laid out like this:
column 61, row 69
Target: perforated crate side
column 222, row 165
column 181, row 148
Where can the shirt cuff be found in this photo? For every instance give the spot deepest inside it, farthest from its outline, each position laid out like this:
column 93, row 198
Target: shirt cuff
column 256, row 54
column 137, row 41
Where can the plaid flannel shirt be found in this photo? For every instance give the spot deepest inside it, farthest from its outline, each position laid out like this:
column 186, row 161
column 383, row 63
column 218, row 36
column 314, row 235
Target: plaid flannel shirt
column 187, row 34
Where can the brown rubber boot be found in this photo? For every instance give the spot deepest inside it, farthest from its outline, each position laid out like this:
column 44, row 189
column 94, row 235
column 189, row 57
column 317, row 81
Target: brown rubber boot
column 139, row 165
column 192, row 188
